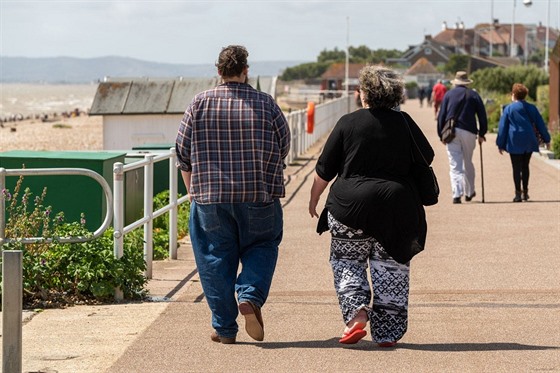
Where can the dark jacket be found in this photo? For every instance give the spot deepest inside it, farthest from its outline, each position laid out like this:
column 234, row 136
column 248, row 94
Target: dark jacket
column 467, row 118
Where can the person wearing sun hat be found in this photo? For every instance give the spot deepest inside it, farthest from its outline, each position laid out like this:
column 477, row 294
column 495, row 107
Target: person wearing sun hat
column 460, row 150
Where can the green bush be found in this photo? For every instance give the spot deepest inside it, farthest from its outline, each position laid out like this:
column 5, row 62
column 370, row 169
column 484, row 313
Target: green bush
column 58, row 274
column 555, row 145
column 494, row 102
column 499, row 79
column 161, row 225
column 543, row 101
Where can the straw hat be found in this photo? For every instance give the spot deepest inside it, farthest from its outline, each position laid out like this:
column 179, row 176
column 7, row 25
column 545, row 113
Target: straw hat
column 461, row 78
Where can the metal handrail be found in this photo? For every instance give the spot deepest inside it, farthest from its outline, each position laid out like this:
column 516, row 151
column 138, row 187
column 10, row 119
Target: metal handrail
column 55, row 171
column 12, row 265
column 119, row 170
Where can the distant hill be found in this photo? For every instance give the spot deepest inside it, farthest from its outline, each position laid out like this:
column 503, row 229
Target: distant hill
column 86, row 70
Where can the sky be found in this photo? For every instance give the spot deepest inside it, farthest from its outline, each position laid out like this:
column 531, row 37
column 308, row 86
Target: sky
column 193, row 32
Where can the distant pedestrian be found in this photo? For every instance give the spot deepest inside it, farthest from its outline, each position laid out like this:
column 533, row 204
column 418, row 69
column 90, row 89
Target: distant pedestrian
column 421, row 95
column 372, row 211
column 438, row 91
column 429, row 90
column 460, row 149
column 520, row 126
column 231, row 148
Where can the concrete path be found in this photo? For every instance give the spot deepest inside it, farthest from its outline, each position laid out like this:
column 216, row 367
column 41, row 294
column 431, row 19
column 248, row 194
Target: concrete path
column 485, row 294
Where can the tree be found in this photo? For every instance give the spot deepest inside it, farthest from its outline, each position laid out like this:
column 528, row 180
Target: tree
column 360, row 54
column 335, row 55
column 381, row 55
column 457, row 62
column 305, row 71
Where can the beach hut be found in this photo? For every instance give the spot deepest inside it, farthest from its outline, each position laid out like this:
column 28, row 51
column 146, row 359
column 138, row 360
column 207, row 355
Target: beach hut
column 145, row 111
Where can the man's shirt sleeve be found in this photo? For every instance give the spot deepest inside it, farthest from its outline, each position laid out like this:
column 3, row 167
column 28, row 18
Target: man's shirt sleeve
column 183, row 143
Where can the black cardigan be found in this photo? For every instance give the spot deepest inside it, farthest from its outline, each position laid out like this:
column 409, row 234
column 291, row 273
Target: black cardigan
column 369, row 153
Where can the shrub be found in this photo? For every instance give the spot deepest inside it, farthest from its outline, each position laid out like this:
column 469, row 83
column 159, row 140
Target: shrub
column 499, row 79
column 57, row 274
column 555, row 145
column 161, row 225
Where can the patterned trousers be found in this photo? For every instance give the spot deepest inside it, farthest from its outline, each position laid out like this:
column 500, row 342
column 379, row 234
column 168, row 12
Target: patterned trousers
column 351, row 251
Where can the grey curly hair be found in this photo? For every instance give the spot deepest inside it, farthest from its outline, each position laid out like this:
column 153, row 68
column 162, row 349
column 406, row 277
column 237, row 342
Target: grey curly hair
column 383, row 87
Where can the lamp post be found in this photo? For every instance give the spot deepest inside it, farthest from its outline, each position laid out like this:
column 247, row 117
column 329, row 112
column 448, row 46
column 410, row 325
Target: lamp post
column 492, row 29
column 547, row 37
column 511, row 54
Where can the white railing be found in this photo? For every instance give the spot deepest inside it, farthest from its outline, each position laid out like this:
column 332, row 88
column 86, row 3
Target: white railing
column 326, row 116
column 119, row 170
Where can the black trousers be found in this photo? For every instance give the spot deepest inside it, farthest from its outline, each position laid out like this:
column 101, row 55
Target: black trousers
column 520, row 165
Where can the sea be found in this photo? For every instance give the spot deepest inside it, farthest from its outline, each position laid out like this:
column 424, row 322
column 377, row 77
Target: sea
column 19, row 100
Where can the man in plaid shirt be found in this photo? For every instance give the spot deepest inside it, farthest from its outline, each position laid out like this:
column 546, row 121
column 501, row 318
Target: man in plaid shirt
column 231, row 147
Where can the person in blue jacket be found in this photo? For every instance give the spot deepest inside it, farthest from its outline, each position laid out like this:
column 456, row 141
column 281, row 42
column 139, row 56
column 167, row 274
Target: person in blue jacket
column 521, row 126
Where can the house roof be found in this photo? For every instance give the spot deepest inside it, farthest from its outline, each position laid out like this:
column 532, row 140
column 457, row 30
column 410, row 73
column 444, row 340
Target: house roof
column 422, row 66
column 338, row 70
column 493, row 36
column 441, row 49
column 158, row 96
column 477, row 62
column 450, row 37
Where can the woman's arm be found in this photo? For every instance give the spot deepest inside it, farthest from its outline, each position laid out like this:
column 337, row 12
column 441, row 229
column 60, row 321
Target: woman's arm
column 318, row 187
column 503, row 130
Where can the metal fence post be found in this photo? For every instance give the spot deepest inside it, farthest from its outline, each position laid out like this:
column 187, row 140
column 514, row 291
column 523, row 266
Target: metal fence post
column 12, row 293
column 173, row 188
column 118, row 217
column 148, row 212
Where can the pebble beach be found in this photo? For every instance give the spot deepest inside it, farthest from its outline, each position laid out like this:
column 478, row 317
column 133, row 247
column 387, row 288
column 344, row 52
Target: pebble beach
column 74, row 133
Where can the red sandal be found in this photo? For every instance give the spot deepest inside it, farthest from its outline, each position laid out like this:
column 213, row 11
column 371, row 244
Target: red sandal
column 354, row 334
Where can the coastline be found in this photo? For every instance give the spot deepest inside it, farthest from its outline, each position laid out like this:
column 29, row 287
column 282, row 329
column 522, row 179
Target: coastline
column 35, row 101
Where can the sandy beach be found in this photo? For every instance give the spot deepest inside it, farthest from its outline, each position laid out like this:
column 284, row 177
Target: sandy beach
column 75, row 133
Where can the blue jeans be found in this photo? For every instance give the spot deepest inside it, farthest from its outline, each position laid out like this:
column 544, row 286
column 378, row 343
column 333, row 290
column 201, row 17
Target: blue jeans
column 224, row 235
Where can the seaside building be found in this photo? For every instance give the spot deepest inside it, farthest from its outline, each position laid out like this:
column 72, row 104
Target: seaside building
column 145, row 111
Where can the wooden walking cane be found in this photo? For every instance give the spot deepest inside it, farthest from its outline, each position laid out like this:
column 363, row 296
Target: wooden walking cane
column 481, row 172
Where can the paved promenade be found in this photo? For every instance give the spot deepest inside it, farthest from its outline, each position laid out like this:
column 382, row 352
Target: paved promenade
column 485, row 294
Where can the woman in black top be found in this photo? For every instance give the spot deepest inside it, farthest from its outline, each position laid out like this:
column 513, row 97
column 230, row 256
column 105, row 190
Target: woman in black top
column 373, row 210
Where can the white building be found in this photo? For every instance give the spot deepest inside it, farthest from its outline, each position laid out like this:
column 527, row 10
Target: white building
column 143, row 111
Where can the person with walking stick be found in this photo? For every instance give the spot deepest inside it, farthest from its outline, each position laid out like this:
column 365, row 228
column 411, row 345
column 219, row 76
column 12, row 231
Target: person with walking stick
column 465, row 105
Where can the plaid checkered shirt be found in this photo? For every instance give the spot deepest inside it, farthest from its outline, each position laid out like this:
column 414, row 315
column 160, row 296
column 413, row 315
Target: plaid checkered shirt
column 234, row 140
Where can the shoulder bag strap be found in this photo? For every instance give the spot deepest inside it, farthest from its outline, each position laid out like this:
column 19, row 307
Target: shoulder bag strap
column 414, row 141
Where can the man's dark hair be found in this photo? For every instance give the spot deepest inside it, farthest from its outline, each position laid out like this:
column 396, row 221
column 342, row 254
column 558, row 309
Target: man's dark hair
column 232, row 60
